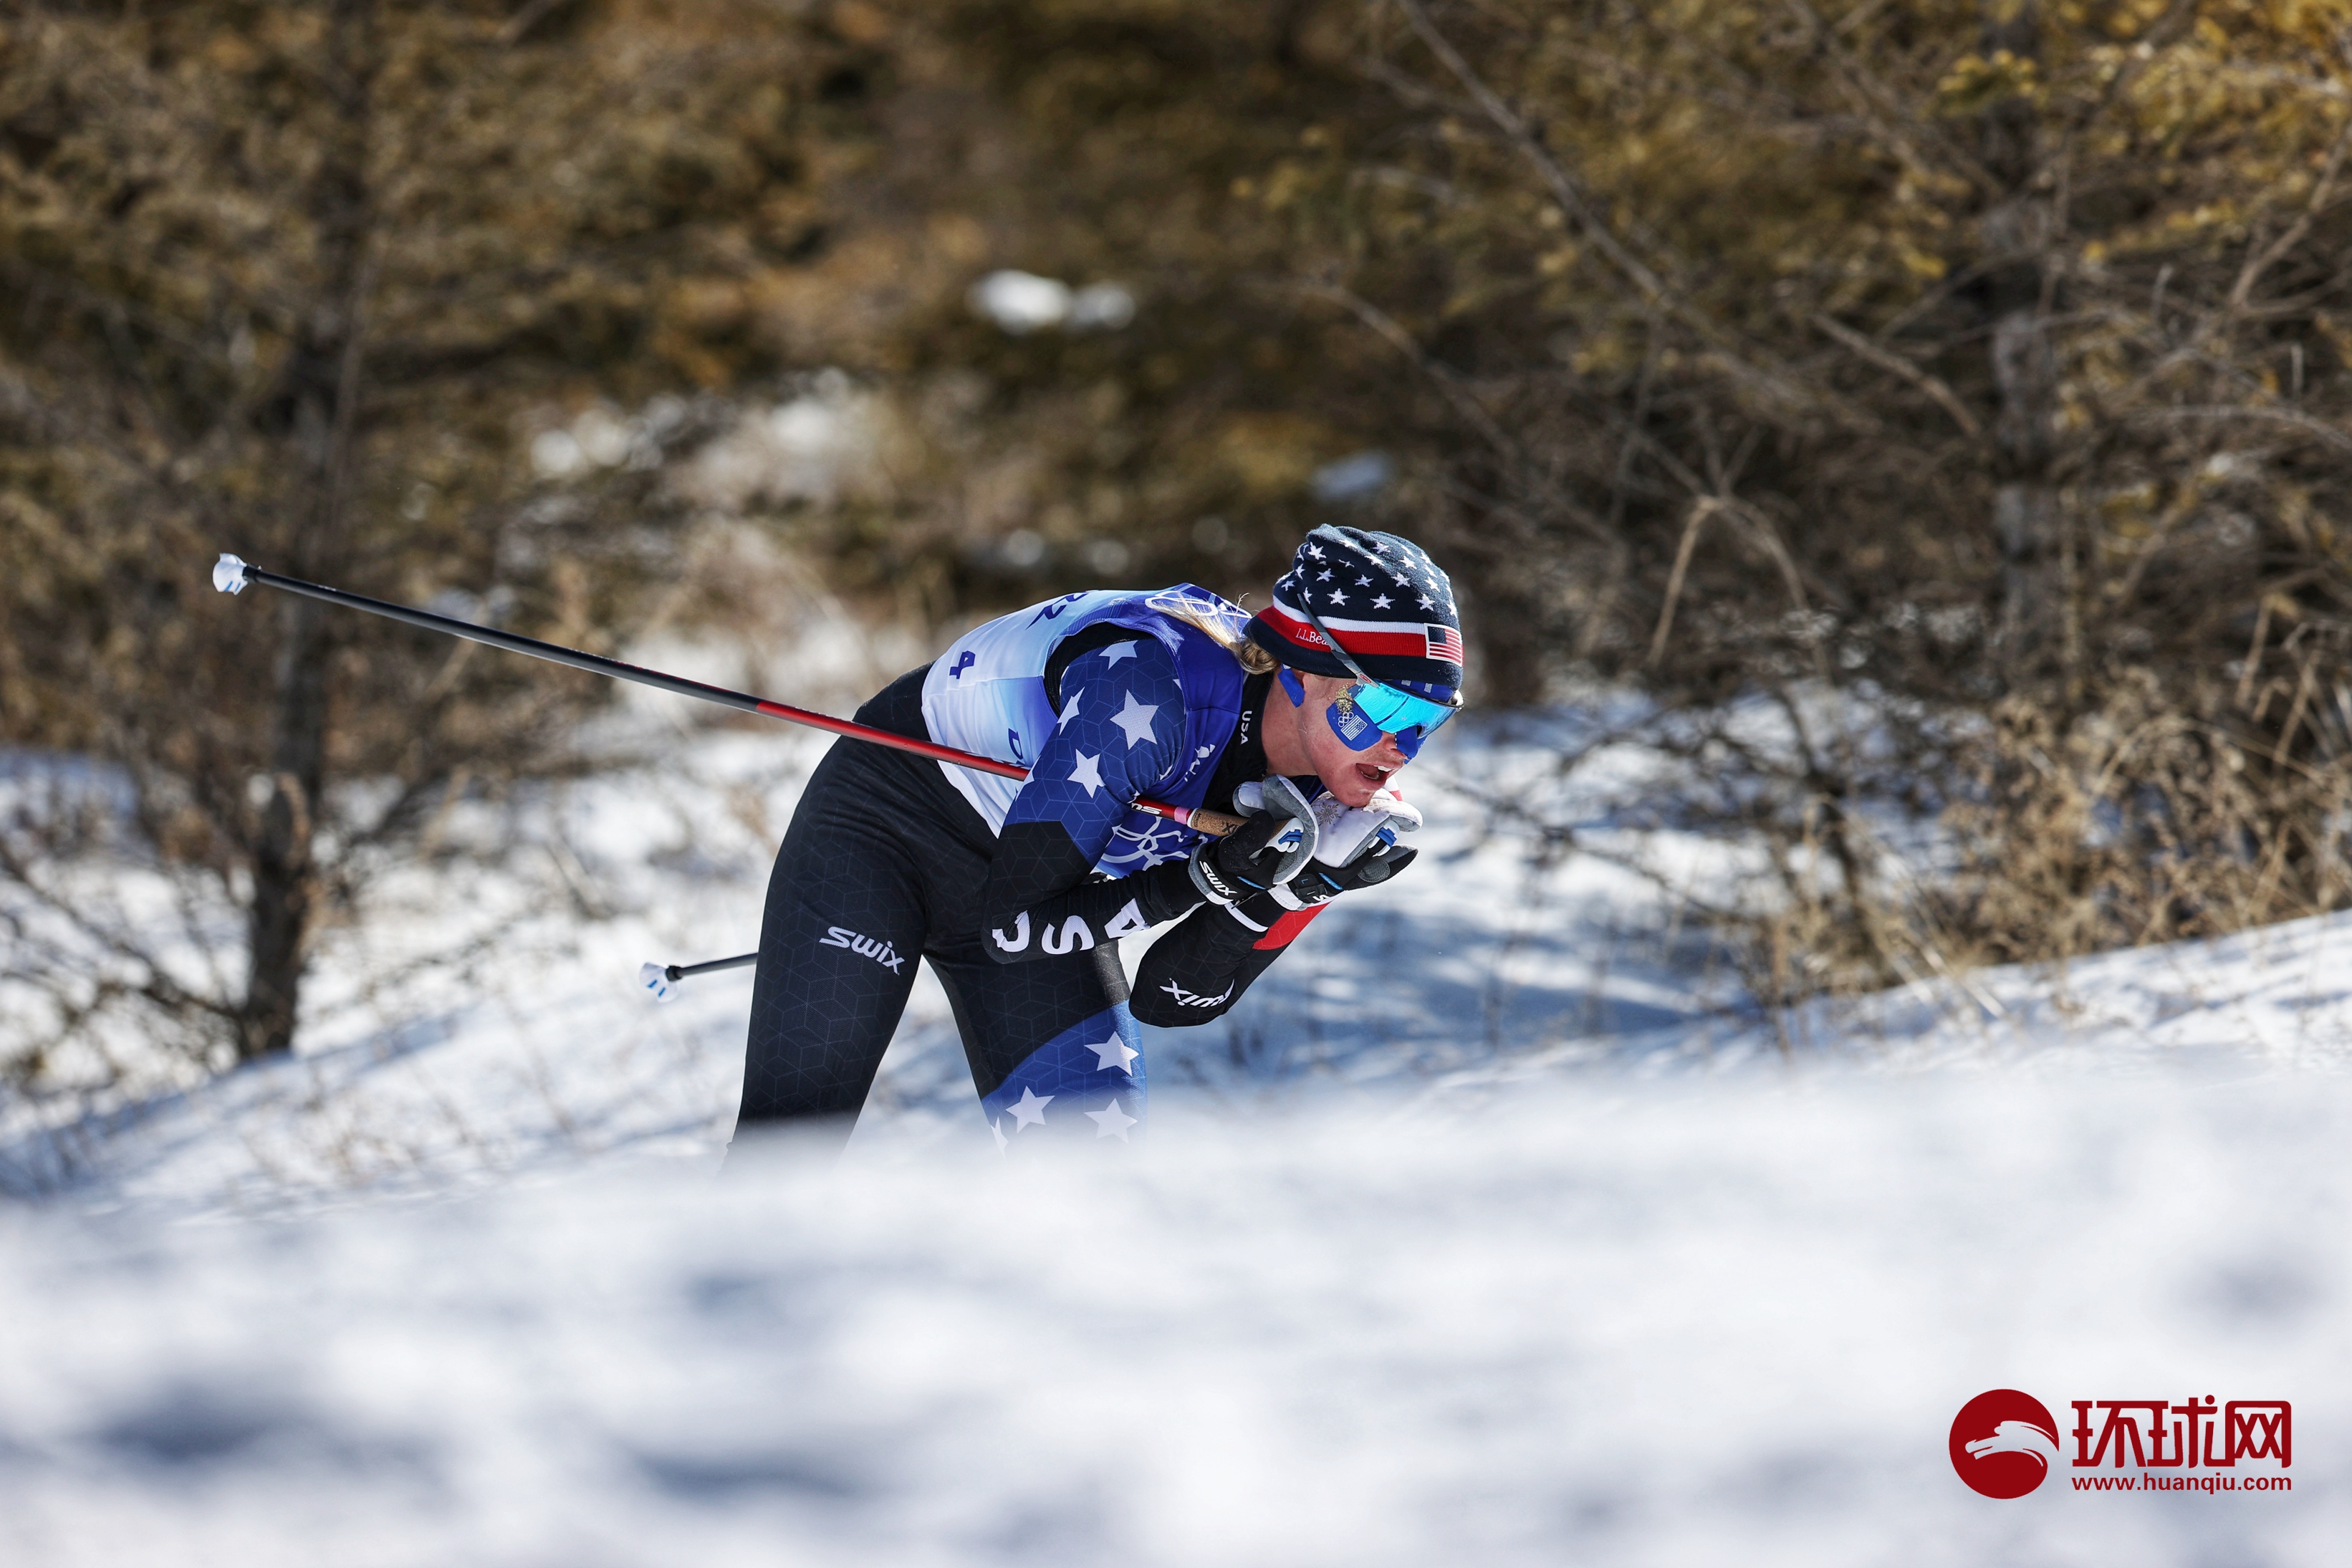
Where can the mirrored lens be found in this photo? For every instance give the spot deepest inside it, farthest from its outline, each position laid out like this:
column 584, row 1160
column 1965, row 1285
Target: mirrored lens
column 1394, row 711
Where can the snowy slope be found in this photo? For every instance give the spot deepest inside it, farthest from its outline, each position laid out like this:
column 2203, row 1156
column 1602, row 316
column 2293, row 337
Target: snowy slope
column 1730, row 1324
column 539, row 1048
column 2261, row 1005
column 1489, row 1229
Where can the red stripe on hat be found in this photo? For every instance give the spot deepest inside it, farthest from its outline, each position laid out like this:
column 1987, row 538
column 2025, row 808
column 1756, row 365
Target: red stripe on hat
column 1410, row 642
column 1344, row 626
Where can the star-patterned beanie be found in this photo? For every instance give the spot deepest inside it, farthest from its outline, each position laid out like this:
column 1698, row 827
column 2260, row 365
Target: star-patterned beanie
column 1381, row 596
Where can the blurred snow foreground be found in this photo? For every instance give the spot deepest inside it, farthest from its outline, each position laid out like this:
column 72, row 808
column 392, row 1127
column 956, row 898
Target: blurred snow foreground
column 1489, row 1230
column 1660, row 1327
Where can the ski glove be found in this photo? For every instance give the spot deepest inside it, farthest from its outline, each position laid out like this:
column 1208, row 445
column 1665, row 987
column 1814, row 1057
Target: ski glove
column 1354, row 846
column 1265, row 851
column 1320, row 883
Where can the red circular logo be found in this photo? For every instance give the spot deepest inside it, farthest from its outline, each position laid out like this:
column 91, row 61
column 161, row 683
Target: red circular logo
column 2005, row 1442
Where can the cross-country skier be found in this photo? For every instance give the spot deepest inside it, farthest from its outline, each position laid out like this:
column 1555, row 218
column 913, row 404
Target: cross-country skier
column 1017, row 890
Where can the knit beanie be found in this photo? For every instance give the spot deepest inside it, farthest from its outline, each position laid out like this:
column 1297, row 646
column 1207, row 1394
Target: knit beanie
column 1381, row 596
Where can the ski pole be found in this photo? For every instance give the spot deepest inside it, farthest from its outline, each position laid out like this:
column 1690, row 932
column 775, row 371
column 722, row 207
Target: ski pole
column 657, row 978
column 231, row 575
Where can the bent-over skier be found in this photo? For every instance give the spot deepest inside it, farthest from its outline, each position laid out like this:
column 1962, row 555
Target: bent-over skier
column 1016, row 892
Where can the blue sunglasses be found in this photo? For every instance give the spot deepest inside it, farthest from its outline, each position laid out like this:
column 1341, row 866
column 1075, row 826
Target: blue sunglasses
column 1369, row 709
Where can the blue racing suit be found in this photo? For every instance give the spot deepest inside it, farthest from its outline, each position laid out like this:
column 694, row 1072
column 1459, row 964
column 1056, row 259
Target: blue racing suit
column 1016, row 892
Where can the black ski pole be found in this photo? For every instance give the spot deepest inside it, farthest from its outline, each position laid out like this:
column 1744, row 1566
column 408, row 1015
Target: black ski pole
column 657, row 978
column 231, row 575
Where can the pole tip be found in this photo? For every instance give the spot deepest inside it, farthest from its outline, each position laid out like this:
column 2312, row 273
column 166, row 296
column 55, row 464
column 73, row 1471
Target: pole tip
column 228, row 575
column 655, row 978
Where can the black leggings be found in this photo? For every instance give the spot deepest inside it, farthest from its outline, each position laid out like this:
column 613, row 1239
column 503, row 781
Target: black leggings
column 885, row 862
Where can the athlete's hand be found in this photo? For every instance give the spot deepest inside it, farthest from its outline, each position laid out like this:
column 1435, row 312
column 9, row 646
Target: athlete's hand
column 1320, row 883
column 1245, row 862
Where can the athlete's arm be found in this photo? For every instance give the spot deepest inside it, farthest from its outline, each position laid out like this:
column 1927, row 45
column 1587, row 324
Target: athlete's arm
column 1200, row 969
column 1121, row 724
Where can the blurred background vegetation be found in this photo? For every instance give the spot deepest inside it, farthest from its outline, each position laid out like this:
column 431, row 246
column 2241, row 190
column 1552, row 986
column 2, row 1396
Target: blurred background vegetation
column 1963, row 384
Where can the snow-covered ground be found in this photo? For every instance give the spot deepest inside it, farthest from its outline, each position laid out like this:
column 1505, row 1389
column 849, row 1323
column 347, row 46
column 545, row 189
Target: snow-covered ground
column 537, row 1047
column 1490, row 1229
column 1728, row 1322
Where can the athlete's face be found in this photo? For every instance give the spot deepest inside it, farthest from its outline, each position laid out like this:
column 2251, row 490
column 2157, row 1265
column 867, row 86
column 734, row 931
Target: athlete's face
column 1352, row 776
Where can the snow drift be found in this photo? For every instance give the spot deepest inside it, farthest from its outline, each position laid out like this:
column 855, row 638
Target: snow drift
column 1723, row 1322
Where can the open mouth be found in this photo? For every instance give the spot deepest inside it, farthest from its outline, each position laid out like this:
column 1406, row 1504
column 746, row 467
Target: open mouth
column 1373, row 773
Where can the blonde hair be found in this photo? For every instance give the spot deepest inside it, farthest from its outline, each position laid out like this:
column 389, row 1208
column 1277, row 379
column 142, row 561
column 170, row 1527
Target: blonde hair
column 1223, row 623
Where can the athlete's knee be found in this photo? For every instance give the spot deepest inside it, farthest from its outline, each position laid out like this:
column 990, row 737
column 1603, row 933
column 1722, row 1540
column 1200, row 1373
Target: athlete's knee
column 1085, row 1084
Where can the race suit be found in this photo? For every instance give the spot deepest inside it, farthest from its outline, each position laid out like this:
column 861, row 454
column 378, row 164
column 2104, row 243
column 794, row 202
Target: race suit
column 1016, row 892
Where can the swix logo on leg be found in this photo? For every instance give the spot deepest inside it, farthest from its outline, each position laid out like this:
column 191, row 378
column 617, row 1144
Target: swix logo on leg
column 882, row 953
column 2004, row 1444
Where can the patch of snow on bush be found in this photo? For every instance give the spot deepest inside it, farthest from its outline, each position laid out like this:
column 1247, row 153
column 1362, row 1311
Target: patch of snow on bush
column 831, row 442
column 1022, row 302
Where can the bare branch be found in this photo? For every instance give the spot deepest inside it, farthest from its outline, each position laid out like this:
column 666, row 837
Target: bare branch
column 533, row 14
column 2295, row 419
column 1701, row 509
column 2262, row 260
column 1885, row 359
column 1653, row 290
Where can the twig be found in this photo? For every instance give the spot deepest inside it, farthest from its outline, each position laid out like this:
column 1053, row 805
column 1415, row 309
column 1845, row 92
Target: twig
column 1652, row 288
column 1700, row 510
column 1934, row 386
column 2291, row 417
column 533, row 13
column 2261, row 262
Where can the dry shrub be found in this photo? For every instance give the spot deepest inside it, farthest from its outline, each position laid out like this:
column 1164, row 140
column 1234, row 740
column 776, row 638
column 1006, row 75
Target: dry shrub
column 2143, row 816
column 2141, row 820
column 1982, row 367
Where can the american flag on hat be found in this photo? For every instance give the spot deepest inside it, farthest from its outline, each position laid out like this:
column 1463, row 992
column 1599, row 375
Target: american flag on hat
column 1391, row 607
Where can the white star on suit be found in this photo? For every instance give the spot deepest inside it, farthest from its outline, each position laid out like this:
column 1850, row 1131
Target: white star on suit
column 1117, row 651
column 1114, row 1052
column 1089, row 772
column 1135, row 719
column 1030, row 1108
column 1069, row 711
column 1110, row 1122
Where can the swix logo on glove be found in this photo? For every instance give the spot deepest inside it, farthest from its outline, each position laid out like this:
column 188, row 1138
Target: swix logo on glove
column 882, row 953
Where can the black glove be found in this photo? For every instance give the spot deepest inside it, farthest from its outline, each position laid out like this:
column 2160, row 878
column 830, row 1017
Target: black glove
column 1320, row 883
column 1248, row 861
